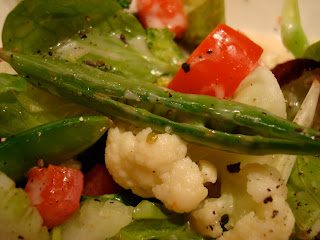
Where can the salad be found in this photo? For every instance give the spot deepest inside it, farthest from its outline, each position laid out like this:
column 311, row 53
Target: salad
column 155, row 120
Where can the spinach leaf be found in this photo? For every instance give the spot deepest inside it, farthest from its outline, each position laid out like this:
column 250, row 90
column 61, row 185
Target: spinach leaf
column 153, row 221
column 126, row 197
column 124, row 3
column 38, row 25
column 151, row 229
column 304, row 195
column 53, row 142
column 23, row 106
column 98, row 33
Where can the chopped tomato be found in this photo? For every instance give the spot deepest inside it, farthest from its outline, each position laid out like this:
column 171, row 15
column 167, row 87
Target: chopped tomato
column 98, row 181
column 55, row 192
column 163, row 13
column 218, row 65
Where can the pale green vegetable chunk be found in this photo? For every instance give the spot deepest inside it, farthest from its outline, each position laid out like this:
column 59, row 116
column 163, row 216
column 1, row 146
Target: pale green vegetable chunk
column 18, row 219
column 95, row 220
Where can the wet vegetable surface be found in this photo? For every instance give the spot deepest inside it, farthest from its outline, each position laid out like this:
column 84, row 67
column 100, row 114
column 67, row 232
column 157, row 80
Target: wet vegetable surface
column 51, row 143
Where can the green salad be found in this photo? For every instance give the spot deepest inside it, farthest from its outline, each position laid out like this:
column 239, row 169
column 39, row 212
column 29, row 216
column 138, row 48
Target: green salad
column 104, row 135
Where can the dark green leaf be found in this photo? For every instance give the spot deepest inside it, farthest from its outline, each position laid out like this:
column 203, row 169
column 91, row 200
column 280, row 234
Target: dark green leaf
column 304, row 194
column 11, row 83
column 98, row 33
column 151, row 229
column 124, row 3
column 37, row 25
column 23, row 106
column 126, row 197
column 53, row 142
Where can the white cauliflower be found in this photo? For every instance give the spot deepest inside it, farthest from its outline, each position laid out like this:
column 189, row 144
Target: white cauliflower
column 154, row 165
column 254, row 200
column 207, row 218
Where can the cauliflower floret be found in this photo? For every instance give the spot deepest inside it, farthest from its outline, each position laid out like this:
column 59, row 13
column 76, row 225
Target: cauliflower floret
column 259, row 213
column 184, row 181
column 208, row 171
column 207, row 218
column 155, row 166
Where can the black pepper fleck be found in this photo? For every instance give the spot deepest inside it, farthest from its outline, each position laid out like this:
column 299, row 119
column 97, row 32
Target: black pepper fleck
column 275, row 213
column 234, row 168
column 123, row 38
column 100, row 63
column 186, row 67
column 82, row 35
column 268, row 199
column 90, row 63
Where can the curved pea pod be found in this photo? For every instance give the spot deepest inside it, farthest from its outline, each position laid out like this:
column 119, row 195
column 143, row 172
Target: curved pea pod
column 50, row 143
column 237, row 127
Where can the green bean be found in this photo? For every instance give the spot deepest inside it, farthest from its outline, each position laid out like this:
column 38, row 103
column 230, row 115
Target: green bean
column 50, row 143
column 101, row 91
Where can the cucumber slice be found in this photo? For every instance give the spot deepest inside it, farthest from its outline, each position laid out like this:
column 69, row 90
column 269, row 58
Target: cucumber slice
column 18, row 219
column 96, row 220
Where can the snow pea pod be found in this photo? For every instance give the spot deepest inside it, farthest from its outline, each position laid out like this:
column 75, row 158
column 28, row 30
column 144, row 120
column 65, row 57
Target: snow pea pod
column 50, row 143
column 261, row 132
column 292, row 33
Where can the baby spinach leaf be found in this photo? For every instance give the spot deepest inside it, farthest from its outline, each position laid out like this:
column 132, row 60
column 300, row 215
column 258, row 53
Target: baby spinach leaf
column 153, row 221
column 98, row 33
column 24, row 106
column 124, row 3
column 304, row 194
column 126, row 197
column 53, row 142
column 37, row 25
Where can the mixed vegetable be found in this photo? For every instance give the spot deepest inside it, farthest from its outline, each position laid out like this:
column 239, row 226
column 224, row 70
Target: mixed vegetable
column 115, row 134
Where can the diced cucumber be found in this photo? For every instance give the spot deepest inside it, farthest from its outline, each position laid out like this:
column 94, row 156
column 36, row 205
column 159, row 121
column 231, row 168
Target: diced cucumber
column 18, row 219
column 96, row 220
column 150, row 210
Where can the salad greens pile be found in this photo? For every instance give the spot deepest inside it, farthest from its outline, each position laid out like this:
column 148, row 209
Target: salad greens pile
column 91, row 58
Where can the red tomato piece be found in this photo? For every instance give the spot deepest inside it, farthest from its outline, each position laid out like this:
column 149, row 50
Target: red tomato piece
column 55, row 192
column 98, row 181
column 218, row 65
column 163, row 13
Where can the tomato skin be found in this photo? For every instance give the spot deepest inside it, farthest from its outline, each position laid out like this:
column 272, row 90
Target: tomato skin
column 55, row 192
column 218, row 65
column 163, row 13
column 98, row 181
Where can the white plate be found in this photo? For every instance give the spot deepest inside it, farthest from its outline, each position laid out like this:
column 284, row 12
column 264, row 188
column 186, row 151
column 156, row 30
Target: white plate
column 258, row 19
